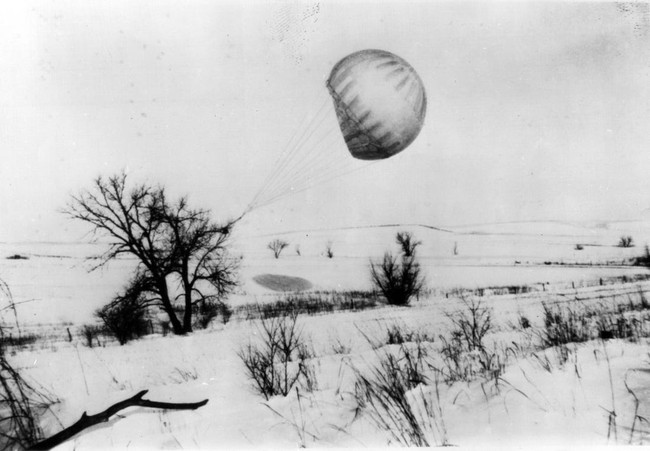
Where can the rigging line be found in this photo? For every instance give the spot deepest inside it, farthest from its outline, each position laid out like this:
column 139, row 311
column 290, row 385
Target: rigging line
column 297, row 172
column 323, row 162
column 320, row 183
column 290, row 150
column 307, row 148
column 305, row 182
column 302, row 161
column 300, row 149
column 308, row 175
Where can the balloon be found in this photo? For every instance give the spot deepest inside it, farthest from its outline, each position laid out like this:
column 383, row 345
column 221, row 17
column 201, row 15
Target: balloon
column 380, row 103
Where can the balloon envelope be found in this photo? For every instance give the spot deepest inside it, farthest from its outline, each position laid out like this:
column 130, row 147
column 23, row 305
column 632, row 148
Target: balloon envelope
column 380, row 103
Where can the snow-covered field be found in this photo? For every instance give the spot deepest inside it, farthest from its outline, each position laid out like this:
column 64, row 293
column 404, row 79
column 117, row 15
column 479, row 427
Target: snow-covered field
column 574, row 395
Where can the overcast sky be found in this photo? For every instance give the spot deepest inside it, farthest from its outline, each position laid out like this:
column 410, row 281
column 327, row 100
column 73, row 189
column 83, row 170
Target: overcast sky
column 536, row 110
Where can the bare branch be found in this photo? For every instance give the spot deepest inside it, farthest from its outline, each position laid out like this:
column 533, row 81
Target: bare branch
column 87, row 421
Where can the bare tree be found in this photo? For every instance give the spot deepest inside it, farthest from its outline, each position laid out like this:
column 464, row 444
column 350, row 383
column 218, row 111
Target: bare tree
column 176, row 246
column 277, row 246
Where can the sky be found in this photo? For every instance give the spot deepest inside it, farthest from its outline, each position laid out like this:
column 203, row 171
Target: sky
column 536, row 111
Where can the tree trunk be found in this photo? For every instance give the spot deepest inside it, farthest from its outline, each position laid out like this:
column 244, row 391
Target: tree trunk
column 177, row 327
column 187, row 315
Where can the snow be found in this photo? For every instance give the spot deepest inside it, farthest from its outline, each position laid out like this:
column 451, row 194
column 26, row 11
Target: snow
column 565, row 405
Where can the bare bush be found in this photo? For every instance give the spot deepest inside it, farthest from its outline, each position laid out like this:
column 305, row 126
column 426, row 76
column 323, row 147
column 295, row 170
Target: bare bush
column 626, row 241
column 90, row 333
column 125, row 316
column 472, row 323
column 278, row 361
column 398, row 279
column 207, row 311
column 277, row 246
column 464, row 353
column 329, row 250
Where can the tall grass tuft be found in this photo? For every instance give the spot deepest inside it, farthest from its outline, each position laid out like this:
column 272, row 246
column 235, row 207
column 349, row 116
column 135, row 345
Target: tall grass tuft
column 395, row 395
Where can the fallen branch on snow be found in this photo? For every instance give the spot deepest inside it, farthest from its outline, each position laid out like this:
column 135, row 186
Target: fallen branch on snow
column 87, row 421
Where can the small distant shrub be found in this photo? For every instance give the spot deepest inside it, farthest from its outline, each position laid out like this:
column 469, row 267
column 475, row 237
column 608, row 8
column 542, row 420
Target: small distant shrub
column 165, row 327
column 329, row 251
column 579, row 247
column 17, row 257
column 643, row 260
column 90, row 333
column 625, row 241
column 207, row 311
column 277, row 246
column 398, row 280
column 226, row 312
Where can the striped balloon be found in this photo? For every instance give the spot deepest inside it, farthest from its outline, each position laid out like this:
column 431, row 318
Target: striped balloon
column 380, row 103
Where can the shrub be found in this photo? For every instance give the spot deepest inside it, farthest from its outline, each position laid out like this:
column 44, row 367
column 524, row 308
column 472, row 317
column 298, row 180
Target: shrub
column 643, row 260
column 626, row 241
column 91, row 332
column 17, row 257
column 277, row 362
column 124, row 318
column 277, row 246
column 398, row 280
column 472, row 323
column 464, row 352
column 329, row 252
column 207, row 311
